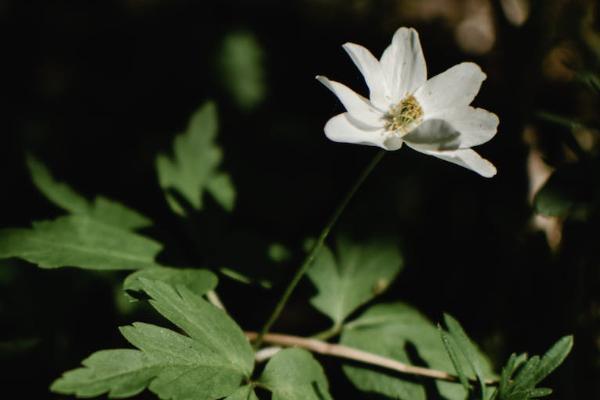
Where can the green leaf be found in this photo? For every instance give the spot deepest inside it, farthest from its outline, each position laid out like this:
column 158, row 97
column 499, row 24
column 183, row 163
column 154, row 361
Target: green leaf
column 355, row 276
column 209, row 363
column 243, row 393
column 452, row 350
column 79, row 241
column 193, row 168
column 116, row 214
column 294, row 374
column 221, row 188
column 553, row 358
column 199, row 281
column 540, row 392
column 399, row 329
column 241, row 65
column 103, row 209
column 514, row 362
column 468, row 349
column 536, row 369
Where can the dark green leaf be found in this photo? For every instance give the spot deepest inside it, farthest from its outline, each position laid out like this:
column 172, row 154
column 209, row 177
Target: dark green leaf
column 355, row 276
column 103, row 209
column 193, row 168
column 79, row 241
column 209, row 363
column 294, row 374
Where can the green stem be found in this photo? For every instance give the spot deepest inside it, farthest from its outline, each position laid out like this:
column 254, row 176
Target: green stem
column 329, row 333
column 316, row 247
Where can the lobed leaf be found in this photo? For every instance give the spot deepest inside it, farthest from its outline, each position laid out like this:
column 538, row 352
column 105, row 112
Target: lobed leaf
column 79, row 241
column 355, row 276
column 523, row 385
column 209, row 363
column 193, row 169
column 65, row 197
column 294, row 374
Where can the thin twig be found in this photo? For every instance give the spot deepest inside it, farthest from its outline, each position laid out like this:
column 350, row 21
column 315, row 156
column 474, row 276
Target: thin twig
column 349, row 353
column 316, row 247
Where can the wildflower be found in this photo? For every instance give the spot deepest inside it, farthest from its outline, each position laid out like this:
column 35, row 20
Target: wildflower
column 431, row 116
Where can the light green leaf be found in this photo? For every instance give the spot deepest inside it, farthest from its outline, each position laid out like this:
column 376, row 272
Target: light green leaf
column 221, row 188
column 209, row 363
column 241, row 65
column 116, row 214
column 58, row 193
column 103, row 209
column 398, row 327
column 79, row 241
column 294, row 374
column 121, row 373
column 199, row 281
column 469, row 351
column 355, row 276
column 194, row 165
column 243, row 393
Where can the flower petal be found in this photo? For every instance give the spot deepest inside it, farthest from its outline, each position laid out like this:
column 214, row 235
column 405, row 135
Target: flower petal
column 454, row 87
column 465, row 158
column 403, row 64
column 342, row 128
column 371, row 70
column 475, row 125
column 434, row 134
column 359, row 107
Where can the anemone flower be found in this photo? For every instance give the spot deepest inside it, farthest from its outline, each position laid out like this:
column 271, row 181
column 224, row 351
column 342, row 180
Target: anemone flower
column 432, row 116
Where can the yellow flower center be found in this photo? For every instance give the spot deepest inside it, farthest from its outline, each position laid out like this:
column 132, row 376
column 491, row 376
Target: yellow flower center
column 404, row 116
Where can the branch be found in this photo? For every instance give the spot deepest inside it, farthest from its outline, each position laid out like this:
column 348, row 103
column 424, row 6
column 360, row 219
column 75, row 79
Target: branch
column 349, row 353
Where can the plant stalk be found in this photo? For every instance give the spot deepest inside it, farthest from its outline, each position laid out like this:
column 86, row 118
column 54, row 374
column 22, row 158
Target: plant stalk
column 316, row 247
column 350, row 353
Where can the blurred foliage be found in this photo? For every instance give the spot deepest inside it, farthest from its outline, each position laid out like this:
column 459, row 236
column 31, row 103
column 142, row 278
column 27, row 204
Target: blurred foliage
column 241, row 68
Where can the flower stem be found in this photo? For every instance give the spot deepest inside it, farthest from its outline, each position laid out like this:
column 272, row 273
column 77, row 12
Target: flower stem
column 316, row 247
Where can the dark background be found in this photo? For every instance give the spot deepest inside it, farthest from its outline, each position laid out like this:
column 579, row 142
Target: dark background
column 97, row 88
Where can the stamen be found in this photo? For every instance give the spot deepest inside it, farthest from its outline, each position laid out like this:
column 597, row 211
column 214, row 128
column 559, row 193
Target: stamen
column 404, row 116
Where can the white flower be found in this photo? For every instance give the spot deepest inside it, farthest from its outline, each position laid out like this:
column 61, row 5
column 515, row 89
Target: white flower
column 431, row 116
